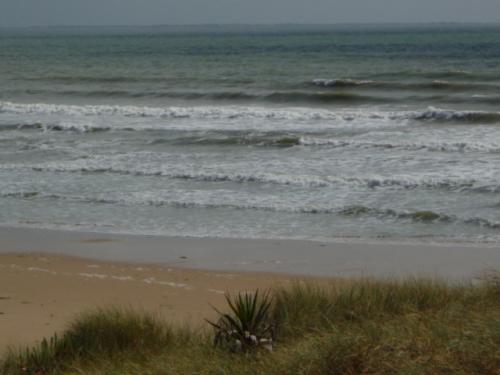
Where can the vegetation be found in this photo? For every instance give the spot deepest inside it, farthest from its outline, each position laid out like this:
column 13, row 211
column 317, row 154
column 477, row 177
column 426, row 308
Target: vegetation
column 247, row 326
column 99, row 334
column 358, row 327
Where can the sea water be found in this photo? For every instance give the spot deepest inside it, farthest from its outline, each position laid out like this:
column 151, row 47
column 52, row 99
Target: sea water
column 319, row 132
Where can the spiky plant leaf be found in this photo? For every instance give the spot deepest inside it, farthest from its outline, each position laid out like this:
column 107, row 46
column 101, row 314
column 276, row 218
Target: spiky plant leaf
column 246, row 324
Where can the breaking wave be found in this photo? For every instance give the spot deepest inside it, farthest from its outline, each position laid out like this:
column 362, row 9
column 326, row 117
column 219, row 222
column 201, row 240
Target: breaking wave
column 97, row 166
column 264, row 139
column 232, row 113
column 474, row 117
column 290, row 140
column 199, row 112
column 436, row 146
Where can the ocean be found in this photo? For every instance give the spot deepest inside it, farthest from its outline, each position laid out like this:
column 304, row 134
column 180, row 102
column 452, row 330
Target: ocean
column 304, row 132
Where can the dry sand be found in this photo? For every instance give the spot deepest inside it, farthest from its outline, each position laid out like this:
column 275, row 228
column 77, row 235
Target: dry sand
column 40, row 293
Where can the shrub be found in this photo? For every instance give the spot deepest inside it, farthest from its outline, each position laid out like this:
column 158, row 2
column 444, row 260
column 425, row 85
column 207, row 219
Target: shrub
column 248, row 325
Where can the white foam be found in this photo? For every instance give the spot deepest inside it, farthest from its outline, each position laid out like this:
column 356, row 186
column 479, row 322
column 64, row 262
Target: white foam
column 428, row 144
column 88, row 118
column 438, row 114
column 340, row 82
column 205, row 112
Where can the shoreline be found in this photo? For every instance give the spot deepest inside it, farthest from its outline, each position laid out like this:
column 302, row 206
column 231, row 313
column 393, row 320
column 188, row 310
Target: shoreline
column 333, row 240
column 277, row 256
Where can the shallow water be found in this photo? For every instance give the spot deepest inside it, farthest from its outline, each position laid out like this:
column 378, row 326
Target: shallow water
column 320, row 133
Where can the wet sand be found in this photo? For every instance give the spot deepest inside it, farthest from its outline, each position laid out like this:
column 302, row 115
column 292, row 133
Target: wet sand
column 345, row 259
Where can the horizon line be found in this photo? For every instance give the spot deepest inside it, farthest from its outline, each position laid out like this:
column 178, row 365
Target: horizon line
column 262, row 24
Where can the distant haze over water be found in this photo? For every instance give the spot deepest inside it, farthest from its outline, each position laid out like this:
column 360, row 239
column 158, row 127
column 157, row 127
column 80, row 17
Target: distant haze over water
column 148, row 12
column 311, row 132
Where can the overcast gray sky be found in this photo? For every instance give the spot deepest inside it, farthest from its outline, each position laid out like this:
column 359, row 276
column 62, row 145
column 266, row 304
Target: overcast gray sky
column 149, row 12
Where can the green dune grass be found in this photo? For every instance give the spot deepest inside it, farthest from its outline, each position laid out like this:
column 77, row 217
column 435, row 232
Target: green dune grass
column 357, row 327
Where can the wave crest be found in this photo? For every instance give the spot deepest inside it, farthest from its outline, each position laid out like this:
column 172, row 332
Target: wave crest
column 440, row 115
column 292, row 114
column 303, row 180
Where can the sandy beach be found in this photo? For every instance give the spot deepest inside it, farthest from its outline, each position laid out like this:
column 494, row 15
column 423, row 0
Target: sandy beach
column 40, row 293
column 47, row 277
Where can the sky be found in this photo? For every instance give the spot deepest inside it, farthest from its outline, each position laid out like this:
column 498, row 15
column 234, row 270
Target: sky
column 179, row 12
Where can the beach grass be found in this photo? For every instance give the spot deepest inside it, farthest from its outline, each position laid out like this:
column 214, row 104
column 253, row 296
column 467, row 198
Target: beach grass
column 413, row 326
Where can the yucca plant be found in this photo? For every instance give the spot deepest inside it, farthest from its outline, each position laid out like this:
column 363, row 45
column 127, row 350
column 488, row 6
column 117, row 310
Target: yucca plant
column 248, row 325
